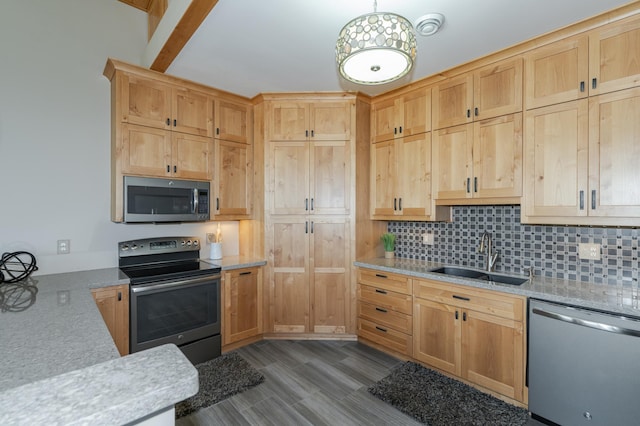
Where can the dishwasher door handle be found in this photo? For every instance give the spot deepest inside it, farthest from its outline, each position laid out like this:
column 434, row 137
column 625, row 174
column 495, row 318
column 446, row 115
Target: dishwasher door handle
column 586, row 323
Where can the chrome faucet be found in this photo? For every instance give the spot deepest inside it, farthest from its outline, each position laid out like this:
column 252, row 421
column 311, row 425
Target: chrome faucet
column 486, row 246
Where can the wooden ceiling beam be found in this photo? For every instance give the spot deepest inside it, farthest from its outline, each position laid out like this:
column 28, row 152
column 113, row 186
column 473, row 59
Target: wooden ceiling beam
column 187, row 26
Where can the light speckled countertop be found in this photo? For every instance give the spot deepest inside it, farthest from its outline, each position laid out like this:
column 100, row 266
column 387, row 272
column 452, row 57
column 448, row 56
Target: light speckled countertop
column 228, row 263
column 60, row 366
column 621, row 298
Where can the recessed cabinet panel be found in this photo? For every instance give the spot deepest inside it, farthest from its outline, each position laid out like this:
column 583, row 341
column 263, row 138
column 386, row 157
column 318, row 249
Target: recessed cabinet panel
column 242, row 294
column 192, row 112
column 289, row 162
column 233, row 196
column 453, row 101
column 145, row 151
column 556, row 152
column 289, row 121
column 383, row 179
column 330, row 121
column 231, row 121
column 329, row 184
column 192, row 156
column 614, row 152
column 144, row 101
column 498, row 89
column 453, row 159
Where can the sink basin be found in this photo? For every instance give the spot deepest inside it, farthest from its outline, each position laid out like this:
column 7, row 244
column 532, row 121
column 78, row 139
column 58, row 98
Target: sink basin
column 479, row 275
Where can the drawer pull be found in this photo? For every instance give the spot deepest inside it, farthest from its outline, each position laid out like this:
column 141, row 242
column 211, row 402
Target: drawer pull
column 380, row 291
column 461, row 298
column 381, row 329
column 381, row 310
column 381, row 276
column 245, row 273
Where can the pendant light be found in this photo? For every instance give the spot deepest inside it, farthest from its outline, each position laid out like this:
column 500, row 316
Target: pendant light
column 376, row 48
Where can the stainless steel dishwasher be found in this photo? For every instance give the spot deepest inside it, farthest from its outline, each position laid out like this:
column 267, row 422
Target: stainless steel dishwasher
column 584, row 366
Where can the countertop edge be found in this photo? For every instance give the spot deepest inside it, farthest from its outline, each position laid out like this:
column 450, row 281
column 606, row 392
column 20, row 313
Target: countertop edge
column 118, row 391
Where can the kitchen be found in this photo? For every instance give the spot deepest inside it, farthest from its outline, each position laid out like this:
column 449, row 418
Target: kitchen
column 56, row 171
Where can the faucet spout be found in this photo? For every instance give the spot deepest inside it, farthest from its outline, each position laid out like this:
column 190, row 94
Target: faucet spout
column 486, row 246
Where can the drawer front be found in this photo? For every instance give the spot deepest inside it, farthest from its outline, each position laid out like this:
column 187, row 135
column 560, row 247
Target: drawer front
column 385, row 280
column 386, row 317
column 385, row 298
column 479, row 300
column 387, row 337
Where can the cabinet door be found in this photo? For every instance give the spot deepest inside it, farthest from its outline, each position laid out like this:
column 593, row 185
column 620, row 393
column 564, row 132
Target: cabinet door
column 453, row 101
column 330, row 274
column 233, row 179
column 555, row 160
column 113, row 304
column 415, row 112
column 289, row 121
column 191, row 158
column 330, row 121
column 290, row 274
column 329, row 177
column 383, row 179
column 614, row 56
column 493, row 351
column 437, row 334
column 497, row 157
column 145, row 151
column 231, row 121
column 557, row 73
column 414, row 175
column 614, row 150
column 144, row 101
column 289, row 192
column 497, row 89
column 192, row 112
column 242, row 304
column 452, row 156
column 383, row 121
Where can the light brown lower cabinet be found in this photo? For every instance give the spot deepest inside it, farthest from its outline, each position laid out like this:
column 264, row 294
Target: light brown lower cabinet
column 113, row 304
column 477, row 335
column 242, row 304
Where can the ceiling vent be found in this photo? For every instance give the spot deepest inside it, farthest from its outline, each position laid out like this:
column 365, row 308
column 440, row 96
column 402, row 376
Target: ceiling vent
column 429, row 24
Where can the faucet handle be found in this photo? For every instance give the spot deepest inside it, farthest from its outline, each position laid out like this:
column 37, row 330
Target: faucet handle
column 530, row 272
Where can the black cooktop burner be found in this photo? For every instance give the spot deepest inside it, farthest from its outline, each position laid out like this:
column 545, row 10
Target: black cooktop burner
column 169, row 271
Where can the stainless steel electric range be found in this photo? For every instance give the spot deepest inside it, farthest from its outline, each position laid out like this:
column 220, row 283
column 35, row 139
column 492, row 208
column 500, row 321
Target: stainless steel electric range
column 174, row 297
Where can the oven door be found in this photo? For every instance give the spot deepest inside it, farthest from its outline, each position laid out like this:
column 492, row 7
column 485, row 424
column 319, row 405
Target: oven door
column 179, row 312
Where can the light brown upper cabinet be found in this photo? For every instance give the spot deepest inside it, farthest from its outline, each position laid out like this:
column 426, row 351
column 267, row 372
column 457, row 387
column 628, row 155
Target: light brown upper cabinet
column 147, row 151
column 406, row 115
column 309, row 177
column 490, row 91
column 153, row 103
column 302, row 121
column 231, row 121
column 614, row 56
column 479, row 161
column 233, row 184
column 604, row 60
column 401, row 180
column 581, row 161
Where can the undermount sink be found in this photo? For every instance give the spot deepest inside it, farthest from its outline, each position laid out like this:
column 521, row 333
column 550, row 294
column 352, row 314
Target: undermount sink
column 479, row 275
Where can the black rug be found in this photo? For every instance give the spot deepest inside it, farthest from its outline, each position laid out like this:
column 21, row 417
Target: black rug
column 219, row 379
column 438, row 400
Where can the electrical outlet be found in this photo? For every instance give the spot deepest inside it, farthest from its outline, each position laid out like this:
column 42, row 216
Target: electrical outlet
column 64, row 246
column 589, row 251
column 427, row 238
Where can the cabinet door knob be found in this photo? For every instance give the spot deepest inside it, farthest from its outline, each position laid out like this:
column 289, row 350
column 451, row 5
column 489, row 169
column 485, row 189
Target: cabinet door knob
column 468, row 113
column 582, row 86
column 168, row 122
column 475, row 111
column 119, row 296
column 175, row 122
column 400, row 129
column 594, row 83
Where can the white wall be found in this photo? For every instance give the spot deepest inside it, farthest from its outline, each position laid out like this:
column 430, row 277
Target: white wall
column 55, row 131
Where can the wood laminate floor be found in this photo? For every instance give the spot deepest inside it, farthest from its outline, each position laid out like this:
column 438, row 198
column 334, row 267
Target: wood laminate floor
column 308, row 383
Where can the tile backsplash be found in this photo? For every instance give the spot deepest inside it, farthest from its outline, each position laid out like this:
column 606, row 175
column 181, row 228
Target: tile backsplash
column 551, row 250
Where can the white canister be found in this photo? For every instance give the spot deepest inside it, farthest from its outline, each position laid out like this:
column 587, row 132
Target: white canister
column 216, row 251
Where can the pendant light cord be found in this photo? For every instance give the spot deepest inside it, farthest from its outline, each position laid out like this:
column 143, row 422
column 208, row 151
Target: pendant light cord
column 375, row 6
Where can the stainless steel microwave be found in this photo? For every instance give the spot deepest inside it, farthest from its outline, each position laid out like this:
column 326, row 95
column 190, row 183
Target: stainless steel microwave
column 165, row 200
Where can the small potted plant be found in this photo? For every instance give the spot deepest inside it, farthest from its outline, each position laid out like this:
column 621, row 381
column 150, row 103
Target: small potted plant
column 389, row 242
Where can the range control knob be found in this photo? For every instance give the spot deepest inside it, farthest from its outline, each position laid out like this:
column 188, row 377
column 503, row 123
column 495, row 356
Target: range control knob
column 124, row 247
column 133, row 247
column 188, row 243
column 183, row 243
column 195, row 243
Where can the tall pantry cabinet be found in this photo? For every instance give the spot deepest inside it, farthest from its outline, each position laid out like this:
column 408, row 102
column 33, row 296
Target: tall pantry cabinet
column 309, row 152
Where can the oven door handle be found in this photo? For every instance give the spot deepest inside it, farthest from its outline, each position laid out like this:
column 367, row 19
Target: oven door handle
column 169, row 285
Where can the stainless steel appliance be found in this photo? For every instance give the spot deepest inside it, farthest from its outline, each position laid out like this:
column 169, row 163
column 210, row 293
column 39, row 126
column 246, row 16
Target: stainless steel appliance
column 174, row 297
column 584, row 366
column 165, row 200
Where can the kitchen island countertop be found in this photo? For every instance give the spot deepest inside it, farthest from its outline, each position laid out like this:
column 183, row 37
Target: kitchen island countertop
column 621, row 298
column 60, row 365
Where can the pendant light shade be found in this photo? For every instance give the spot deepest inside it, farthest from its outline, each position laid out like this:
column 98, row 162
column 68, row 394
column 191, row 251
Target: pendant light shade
column 376, row 48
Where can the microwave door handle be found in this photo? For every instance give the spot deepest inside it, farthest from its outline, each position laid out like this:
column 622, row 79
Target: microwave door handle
column 195, row 200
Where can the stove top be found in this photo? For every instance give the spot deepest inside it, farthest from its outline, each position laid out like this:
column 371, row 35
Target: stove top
column 162, row 259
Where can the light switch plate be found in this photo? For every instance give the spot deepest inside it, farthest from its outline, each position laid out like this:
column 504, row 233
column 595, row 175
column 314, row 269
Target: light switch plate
column 589, row 251
column 427, row 238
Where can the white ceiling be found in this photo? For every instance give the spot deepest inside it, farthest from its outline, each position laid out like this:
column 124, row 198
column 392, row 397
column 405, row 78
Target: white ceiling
column 260, row 46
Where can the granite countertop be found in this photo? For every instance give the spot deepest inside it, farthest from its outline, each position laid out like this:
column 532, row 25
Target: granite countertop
column 60, row 365
column 622, row 298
